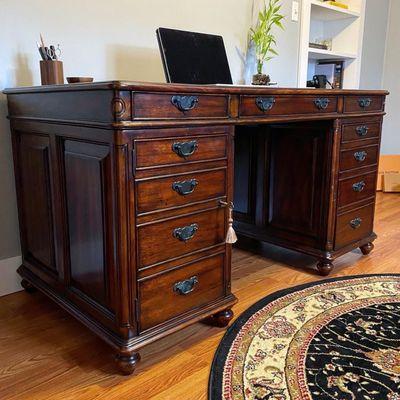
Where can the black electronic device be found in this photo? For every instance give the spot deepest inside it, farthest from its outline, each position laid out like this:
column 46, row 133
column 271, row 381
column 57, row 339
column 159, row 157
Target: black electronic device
column 196, row 58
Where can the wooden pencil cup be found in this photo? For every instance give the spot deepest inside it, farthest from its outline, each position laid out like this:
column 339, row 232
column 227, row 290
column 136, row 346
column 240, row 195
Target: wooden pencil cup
column 51, row 72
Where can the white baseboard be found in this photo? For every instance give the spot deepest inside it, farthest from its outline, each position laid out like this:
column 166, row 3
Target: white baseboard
column 9, row 279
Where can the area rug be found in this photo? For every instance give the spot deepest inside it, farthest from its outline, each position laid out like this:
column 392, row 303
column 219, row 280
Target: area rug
column 334, row 339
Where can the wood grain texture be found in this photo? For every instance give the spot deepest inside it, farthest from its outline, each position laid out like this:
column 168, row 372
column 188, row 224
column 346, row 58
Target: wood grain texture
column 38, row 359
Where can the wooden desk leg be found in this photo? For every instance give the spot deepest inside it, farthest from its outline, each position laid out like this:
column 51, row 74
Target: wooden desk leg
column 28, row 287
column 367, row 248
column 126, row 362
column 325, row 266
column 220, row 319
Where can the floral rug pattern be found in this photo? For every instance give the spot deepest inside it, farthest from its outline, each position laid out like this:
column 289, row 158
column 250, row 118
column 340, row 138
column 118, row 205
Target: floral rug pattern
column 336, row 339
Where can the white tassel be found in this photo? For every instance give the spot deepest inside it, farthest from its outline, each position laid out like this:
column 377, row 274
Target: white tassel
column 231, row 234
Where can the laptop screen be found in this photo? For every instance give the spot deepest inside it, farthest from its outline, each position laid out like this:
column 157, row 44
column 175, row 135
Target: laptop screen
column 195, row 58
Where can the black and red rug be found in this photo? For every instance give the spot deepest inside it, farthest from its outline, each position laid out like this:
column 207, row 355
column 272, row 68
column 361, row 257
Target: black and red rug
column 335, row 339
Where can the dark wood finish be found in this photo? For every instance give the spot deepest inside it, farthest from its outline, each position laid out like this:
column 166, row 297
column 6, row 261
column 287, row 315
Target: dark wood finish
column 160, row 106
column 159, row 289
column 354, row 225
column 286, row 105
column 356, row 189
column 220, row 319
column 367, row 248
column 353, row 104
column 359, row 157
column 177, row 190
column 159, row 235
column 28, row 287
column 159, row 152
column 107, row 235
column 361, row 130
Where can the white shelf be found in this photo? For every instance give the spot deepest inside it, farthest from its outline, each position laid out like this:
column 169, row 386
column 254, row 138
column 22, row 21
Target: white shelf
column 319, row 54
column 326, row 12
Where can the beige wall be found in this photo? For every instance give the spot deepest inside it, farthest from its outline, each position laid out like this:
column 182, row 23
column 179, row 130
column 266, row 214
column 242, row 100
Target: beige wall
column 114, row 40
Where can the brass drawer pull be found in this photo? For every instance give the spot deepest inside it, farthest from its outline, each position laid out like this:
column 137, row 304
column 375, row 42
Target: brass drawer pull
column 355, row 223
column 185, row 187
column 185, row 149
column 185, row 287
column 322, row 103
column 360, row 155
column 359, row 186
column 265, row 103
column 362, row 130
column 184, row 103
column 364, row 102
column 185, row 233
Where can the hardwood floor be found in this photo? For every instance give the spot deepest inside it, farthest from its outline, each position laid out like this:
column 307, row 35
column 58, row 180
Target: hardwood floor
column 46, row 354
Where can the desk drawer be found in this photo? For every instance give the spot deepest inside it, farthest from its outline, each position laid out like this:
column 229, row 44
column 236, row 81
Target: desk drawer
column 357, row 188
column 178, row 190
column 360, row 131
column 354, row 225
column 179, row 150
column 173, row 293
column 255, row 106
column 357, row 104
column 177, row 106
column 161, row 241
column 359, row 157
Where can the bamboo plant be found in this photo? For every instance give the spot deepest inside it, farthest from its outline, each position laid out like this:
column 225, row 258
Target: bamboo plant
column 262, row 36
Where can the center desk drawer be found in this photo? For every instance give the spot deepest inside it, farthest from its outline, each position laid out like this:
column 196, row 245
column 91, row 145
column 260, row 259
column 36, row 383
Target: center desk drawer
column 255, row 106
column 172, row 191
column 175, row 237
column 179, row 150
column 172, row 293
column 177, row 106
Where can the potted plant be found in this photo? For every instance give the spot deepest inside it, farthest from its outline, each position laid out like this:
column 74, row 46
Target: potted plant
column 263, row 38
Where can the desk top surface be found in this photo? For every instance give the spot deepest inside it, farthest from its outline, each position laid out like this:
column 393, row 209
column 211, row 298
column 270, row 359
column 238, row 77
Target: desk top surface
column 185, row 88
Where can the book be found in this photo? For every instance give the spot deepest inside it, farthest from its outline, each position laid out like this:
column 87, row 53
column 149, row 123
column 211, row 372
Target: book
column 337, row 4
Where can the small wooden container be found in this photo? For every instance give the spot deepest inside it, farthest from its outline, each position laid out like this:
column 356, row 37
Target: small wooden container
column 51, row 72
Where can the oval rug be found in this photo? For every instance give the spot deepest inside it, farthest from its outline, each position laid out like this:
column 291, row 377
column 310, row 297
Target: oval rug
column 333, row 339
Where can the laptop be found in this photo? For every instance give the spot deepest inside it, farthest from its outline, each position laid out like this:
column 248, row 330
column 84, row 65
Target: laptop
column 194, row 58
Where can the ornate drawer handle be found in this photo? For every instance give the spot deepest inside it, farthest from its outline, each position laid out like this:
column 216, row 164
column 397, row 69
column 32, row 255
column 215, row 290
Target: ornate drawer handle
column 185, row 287
column 185, row 233
column 185, row 149
column 359, row 186
column 322, row 103
column 360, row 155
column 364, row 102
column 265, row 103
column 355, row 223
column 362, row 130
column 185, row 187
column 184, row 103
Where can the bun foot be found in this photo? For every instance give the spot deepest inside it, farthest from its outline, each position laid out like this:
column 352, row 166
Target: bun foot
column 28, row 287
column 367, row 248
column 127, row 362
column 220, row 319
column 325, row 267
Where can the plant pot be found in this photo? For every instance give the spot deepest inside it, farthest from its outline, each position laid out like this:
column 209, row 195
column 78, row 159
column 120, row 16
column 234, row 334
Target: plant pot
column 261, row 79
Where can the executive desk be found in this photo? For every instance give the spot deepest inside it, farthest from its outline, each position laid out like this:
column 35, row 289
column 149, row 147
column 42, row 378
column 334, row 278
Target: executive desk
column 123, row 193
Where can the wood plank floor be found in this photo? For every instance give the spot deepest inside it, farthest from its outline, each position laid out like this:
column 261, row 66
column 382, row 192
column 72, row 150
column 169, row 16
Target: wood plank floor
column 46, row 354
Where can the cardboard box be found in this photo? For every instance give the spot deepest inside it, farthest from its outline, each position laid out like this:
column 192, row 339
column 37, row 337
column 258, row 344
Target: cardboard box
column 391, row 182
column 387, row 165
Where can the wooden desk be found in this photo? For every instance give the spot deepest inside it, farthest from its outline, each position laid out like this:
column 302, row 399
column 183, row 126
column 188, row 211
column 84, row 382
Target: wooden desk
column 121, row 191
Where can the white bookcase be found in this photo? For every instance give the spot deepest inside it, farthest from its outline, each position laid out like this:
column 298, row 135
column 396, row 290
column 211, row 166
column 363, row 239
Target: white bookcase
column 345, row 27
